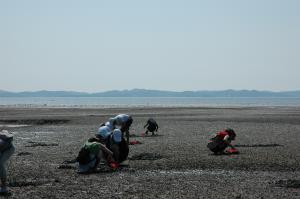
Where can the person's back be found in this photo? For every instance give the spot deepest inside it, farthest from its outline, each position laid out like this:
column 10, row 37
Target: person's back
column 121, row 119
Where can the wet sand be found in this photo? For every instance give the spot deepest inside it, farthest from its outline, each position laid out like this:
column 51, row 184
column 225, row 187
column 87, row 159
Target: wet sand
column 175, row 164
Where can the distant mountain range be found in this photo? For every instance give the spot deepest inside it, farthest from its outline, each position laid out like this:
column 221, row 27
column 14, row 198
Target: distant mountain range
column 153, row 93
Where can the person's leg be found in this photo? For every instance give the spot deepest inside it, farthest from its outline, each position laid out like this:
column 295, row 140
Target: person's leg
column 3, row 177
column 220, row 148
column 151, row 129
column 3, row 159
column 146, row 133
column 125, row 130
column 99, row 157
column 116, row 151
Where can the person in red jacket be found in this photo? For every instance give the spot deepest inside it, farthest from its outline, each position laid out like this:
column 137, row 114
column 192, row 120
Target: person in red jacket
column 221, row 141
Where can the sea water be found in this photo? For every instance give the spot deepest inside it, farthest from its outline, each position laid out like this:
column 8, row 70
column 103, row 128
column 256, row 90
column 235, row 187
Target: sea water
column 107, row 102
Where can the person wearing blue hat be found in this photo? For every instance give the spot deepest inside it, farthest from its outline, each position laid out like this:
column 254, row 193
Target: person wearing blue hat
column 103, row 133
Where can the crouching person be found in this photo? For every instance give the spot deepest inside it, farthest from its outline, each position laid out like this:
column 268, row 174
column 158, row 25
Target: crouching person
column 90, row 155
column 118, row 146
column 114, row 141
column 6, row 151
column 152, row 126
column 221, row 141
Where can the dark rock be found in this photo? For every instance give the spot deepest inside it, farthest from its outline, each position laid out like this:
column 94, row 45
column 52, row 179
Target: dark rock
column 24, row 153
column 36, row 144
column 65, row 166
column 288, row 183
column 70, row 161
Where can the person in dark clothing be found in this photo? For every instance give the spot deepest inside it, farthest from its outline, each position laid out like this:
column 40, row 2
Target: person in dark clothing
column 221, row 141
column 151, row 126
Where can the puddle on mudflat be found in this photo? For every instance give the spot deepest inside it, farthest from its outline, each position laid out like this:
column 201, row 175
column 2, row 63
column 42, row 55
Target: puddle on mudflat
column 35, row 122
column 44, row 132
column 13, row 125
column 258, row 145
column 40, row 144
column 146, row 156
column 192, row 172
column 30, row 182
column 290, row 183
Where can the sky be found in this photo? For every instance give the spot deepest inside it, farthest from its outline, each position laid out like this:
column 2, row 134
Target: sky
column 95, row 45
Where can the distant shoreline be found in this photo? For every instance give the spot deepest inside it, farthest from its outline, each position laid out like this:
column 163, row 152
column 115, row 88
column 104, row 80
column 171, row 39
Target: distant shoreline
column 153, row 93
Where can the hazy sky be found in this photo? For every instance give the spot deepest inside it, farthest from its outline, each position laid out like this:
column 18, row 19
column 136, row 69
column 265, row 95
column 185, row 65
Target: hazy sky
column 155, row 44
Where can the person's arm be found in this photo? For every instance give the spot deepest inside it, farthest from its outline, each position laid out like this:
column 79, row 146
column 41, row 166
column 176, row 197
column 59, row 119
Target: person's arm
column 156, row 128
column 214, row 138
column 227, row 140
column 146, row 125
column 110, row 154
column 105, row 149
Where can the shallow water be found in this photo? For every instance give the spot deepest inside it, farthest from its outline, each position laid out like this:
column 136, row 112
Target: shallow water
column 108, row 102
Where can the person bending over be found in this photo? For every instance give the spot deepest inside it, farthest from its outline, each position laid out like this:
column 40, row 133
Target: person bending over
column 90, row 155
column 151, row 126
column 115, row 142
column 221, row 141
column 124, row 122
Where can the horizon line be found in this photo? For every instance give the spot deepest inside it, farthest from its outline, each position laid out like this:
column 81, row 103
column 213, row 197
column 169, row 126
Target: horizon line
column 175, row 91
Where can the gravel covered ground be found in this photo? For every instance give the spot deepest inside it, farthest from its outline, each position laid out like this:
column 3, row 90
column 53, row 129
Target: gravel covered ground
column 175, row 164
